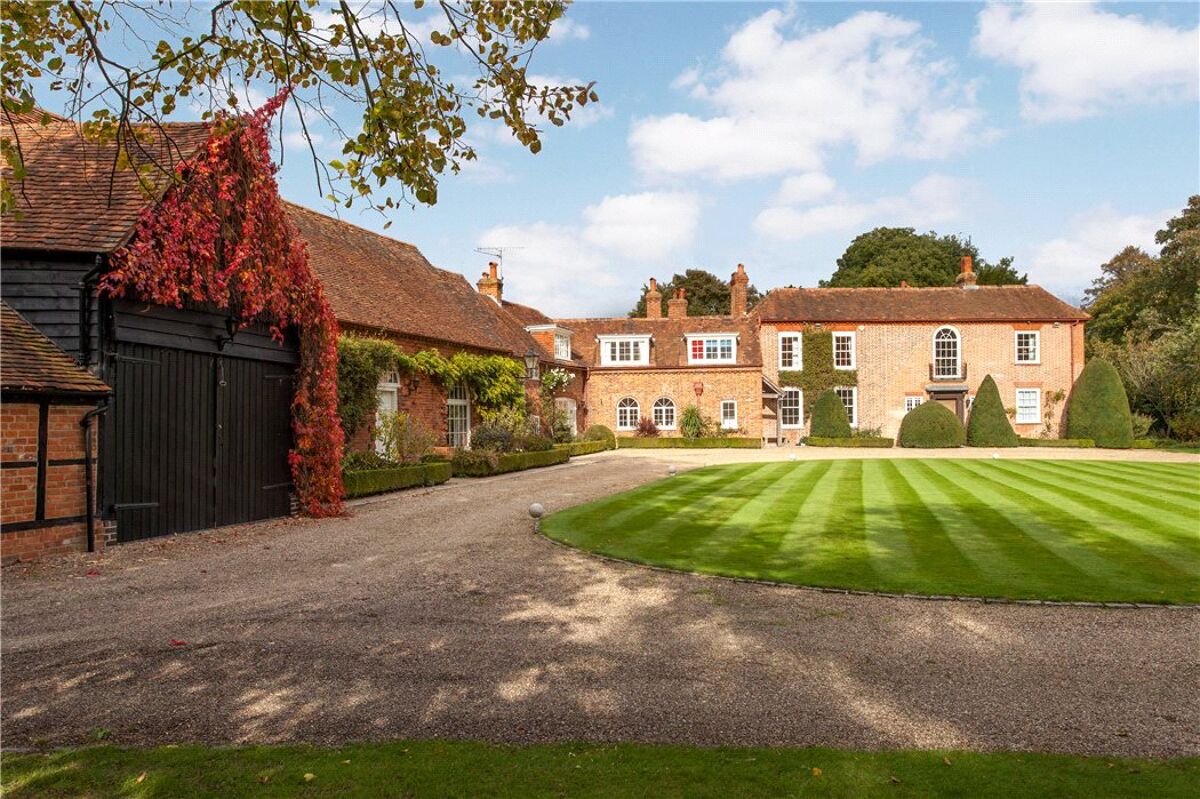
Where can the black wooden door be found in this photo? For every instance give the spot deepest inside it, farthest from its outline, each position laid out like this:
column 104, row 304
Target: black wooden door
column 195, row 440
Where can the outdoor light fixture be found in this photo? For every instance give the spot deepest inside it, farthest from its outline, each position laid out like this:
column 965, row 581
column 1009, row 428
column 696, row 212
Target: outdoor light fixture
column 531, row 364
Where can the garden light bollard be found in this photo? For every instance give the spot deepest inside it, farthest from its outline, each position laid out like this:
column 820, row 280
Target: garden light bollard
column 536, row 511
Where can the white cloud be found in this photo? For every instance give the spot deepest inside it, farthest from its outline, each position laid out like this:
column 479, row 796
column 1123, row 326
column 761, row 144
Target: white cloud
column 575, row 269
column 781, row 102
column 933, row 200
column 1070, row 263
column 1078, row 61
column 565, row 30
column 803, row 189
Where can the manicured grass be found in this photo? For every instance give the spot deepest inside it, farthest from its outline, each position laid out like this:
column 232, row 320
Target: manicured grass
column 1029, row 529
column 450, row 769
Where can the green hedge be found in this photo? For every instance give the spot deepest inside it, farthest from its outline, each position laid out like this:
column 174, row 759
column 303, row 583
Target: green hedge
column 829, row 418
column 576, row 448
column 632, row 442
column 1098, row 408
column 1143, row 443
column 865, row 441
column 515, row 462
column 929, row 425
column 1082, row 443
column 988, row 425
column 599, row 432
column 376, row 481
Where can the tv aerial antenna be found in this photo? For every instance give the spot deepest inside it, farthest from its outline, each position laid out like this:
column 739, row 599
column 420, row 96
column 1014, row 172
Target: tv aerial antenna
column 497, row 253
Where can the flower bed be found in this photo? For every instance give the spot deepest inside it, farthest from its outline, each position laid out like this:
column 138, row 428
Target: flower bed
column 376, row 481
column 512, row 462
column 864, row 441
column 1083, row 443
column 631, row 442
column 576, row 448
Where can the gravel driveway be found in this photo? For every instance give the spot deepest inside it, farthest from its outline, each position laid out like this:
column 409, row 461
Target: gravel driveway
column 438, row 614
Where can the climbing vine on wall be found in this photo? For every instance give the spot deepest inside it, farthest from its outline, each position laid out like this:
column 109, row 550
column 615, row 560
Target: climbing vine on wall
column 496, row 382
column 221, row 236
column 818, row 374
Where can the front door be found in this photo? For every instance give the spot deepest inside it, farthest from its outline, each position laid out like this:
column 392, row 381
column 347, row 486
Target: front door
column 570, row 413
column 953, row 401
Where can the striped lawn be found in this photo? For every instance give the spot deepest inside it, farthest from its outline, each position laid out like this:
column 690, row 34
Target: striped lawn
column 1022, row 529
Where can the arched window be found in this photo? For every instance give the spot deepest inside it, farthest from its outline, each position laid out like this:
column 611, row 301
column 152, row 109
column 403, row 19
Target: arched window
column 664, row 413
column 947, row 356
column 628, row 414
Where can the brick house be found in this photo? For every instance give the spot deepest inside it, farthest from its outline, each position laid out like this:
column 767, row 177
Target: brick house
column 47, row 445
column 907, row 345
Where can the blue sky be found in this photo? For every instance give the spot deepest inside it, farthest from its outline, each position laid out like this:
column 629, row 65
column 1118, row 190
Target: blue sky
column 772, row 134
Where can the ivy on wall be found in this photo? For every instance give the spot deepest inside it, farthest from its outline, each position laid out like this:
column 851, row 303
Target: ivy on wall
column 496, row 382
column 818, row 374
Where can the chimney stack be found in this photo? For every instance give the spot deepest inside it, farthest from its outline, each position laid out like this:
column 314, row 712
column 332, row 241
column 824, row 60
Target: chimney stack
column 490, row 285
column 966, row 276
column 653, row 301
column 677, row 306
column 737, row 291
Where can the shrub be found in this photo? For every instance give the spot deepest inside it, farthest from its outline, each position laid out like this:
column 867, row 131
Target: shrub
column 535, row 443
column 363, row 461
column 512, row 462
column 1098, row 408
column 1081, row 443
column 493, row 437
column 475, row 461
column 931, row 424
column 1143, row 443
column 988, row 424
column 646, row 427
column 1141, row 424
column 855, row 442
column 691, row 423
column 868, row 432
column 576, row 448
column 1185, row 425
column 829, row 418
column 376, row 481
column 404, row 438
column 727, row 442
column 599, row 432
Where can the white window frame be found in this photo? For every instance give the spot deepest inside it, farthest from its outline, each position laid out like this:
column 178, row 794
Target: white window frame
column 958, row 354
column 799, row 408
column 624, row 404
column 570, row 408
column 661, row 404
column 1037, row 405
column 389, row 385
column 911, row 403
column 455, row 399
column 562, row 347
column 640, row 343
column 853, row 347
column 707, row 337
column 1037, row 346
column 797, row 351
column 727, row 424
column 852, row 409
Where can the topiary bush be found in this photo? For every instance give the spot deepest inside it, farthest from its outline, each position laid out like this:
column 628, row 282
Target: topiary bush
column 599, row 432
column 988, row 424
column 829, row 418
column 1098, row 408
column 931, row 424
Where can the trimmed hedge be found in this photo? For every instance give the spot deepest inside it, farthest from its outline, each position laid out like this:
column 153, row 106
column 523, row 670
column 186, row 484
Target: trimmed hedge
column 376, row 481
column 864, row 441
column 1098, row 408
column 1143, row 443
column 577, row 448
column 599, row 432
column 931, row 425
column 514, row 462
column 1081, row 443
column 829, row 418
column 988, row 424
column 629, row 442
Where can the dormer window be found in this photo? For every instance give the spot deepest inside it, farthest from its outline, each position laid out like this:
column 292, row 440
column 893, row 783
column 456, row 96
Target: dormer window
column 562, row 347
column 624, row 350
column 710, row 348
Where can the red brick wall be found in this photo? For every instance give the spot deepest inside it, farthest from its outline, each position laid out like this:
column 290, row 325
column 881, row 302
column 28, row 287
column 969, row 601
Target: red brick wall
column 66, row 487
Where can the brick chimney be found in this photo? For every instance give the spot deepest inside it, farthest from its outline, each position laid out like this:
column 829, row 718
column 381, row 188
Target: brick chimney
column 966, row 276
column 677, row 306
column 490, row 285
column 653, row 301
column 737, row 291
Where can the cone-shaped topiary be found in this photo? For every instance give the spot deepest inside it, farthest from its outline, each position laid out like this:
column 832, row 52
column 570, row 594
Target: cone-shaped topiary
column 829, row 418
column 931, row 424
column 988, row 424
column 1098, row 408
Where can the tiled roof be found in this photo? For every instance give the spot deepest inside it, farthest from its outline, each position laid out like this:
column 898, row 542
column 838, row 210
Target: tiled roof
column 667, row 347
column 982, row 304
column 377, row 282
column 525, row 315
column 30, row 362
column 70, row 199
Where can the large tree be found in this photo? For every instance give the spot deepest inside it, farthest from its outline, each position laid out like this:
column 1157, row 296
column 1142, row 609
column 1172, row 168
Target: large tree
column 886, row 256
column 381, row 79
column 707, row 294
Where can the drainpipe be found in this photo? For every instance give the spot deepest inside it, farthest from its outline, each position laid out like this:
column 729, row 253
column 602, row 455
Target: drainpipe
column 89, row 480
column 85, row 311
